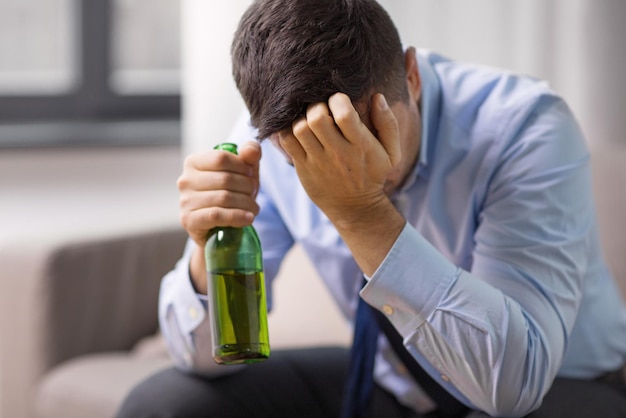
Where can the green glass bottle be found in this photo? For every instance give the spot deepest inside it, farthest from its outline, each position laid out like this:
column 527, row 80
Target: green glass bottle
column 236, row 293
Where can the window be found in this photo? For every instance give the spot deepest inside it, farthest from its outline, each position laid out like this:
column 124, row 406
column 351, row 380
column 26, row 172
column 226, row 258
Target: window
column 145, row 51
column 36, row 47
column 89, row 72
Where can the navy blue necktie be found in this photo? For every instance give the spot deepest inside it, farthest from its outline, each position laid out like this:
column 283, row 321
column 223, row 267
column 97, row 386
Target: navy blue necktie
column 368, row 324
column 361, row 372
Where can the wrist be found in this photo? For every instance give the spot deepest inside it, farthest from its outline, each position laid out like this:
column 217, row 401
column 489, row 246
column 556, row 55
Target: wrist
column 370, row 214
column 197, row 271
column 370, row 231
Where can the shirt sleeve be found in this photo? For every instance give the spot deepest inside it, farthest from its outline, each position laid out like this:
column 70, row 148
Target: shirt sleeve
column 184, row 323
column 495, row 336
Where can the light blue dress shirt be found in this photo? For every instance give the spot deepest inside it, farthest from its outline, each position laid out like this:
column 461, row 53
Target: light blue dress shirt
column 497, row 282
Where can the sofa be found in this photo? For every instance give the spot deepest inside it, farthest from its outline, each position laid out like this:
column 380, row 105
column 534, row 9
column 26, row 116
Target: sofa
column 78, row 314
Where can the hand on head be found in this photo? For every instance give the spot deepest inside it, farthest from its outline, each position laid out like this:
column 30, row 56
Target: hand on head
column 341, row 163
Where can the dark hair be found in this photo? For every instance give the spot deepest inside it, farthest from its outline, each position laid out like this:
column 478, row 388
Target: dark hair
column 287, row 54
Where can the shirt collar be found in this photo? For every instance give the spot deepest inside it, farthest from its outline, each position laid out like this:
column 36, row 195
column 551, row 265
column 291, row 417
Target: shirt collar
column 430, row 104
column 429, row 108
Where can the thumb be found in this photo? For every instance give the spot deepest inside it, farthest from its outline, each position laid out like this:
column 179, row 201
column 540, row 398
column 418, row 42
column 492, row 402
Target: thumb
column 250, row 153
column 386, row 126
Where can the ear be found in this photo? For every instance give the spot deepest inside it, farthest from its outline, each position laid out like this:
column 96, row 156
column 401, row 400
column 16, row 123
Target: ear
column 413, row 79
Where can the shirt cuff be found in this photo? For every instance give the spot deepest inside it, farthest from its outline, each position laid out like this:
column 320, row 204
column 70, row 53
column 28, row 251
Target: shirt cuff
column 178, row 290
column 411, row 281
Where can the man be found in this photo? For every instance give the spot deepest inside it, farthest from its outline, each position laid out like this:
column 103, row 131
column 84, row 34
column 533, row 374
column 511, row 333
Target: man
column 460, row 195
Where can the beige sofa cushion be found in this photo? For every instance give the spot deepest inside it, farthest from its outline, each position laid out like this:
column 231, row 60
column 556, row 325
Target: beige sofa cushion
column 68, row 297
column 93, row 385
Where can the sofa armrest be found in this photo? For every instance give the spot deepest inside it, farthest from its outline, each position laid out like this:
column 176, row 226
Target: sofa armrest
column 59, row 300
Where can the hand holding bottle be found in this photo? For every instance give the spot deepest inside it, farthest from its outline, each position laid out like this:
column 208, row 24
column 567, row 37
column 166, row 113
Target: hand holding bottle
column 217, row 188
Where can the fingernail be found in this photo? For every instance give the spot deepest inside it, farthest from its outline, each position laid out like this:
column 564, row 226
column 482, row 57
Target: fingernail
column 382, row 102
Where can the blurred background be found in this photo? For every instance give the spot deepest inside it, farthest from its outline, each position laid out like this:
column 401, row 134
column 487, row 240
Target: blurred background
column 87, row 86
column 89, row 109
column 100, row 100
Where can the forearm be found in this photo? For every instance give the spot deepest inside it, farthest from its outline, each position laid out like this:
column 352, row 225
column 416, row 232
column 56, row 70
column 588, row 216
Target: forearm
column 471, row 337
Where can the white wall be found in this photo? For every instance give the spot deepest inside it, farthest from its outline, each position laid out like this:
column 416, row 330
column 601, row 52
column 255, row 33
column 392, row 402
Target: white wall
column 577, row 45
column 211, row 101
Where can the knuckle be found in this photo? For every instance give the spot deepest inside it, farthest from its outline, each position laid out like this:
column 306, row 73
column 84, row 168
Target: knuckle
column 182, row 182
column 223, row 180
column 212, row 216
column 300, row 127
column 220, row 158
column 188, row 161
column 342, row 116
column 184, row 219
column 317, row 115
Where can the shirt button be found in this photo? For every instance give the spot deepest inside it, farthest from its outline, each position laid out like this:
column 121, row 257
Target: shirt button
column 445, row 378
column 388, row 310
column 193, row 313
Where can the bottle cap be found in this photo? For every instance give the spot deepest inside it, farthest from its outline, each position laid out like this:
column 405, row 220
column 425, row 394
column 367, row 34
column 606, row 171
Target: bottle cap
column 227, row 146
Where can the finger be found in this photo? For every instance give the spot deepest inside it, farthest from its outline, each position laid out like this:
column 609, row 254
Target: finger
column 194, row 180
column 199, row 222
column 201, row 211
column 217, row 160
column 305, row 136
column 218, row 198
column 291, row 146
column 251, row 154
column 346, row 117
column 386, row 126
column 322, row 124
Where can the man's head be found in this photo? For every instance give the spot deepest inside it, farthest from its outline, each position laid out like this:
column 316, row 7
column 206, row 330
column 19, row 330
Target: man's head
column 288, row 54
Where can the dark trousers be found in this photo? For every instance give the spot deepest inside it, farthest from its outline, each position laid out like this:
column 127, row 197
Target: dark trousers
column 309, row 383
